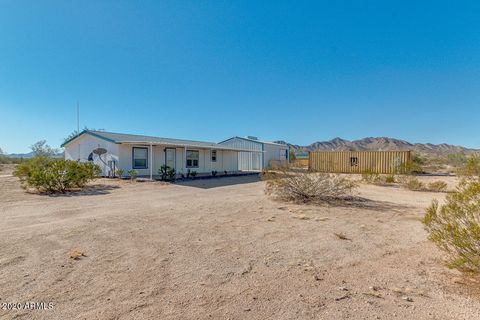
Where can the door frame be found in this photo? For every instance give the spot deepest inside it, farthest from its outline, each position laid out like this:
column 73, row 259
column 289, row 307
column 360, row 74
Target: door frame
column 174, row 157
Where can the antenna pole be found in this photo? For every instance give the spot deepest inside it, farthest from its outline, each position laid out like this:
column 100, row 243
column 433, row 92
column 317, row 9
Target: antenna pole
column 78, row 118
column 78, row 127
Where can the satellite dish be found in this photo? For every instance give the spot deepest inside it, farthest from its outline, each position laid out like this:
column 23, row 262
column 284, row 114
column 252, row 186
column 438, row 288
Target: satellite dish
column 99, row 151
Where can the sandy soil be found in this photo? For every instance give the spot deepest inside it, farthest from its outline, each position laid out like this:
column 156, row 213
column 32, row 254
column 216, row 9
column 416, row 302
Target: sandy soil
column 221, row 249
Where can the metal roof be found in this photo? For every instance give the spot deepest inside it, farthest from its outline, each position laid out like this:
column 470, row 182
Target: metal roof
column 122, row 138
column 256, row 140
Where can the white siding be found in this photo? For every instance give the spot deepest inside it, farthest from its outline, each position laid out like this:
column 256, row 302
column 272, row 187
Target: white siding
column 273, row 152
column 260, row 157
column 247, row 161
column 80, row 149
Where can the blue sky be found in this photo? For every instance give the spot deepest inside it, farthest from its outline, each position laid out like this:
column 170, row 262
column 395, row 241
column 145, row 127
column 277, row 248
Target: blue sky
column 299, row 71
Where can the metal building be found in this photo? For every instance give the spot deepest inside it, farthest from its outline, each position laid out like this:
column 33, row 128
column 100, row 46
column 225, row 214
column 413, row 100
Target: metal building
column 263, row 154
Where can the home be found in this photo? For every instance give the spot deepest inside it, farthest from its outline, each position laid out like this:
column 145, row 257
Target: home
column 146, row 154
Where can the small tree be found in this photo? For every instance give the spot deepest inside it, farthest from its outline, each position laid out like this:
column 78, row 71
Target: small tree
column 455, row 226
column 42, row 149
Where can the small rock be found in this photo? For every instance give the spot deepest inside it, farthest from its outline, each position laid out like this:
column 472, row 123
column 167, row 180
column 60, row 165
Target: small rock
column 317, row 278
column 342, row 289
column 409, row 299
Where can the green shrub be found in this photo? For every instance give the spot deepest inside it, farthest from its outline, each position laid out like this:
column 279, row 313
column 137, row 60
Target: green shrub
column 120, row 173
column 53, row 175
column 471, row 168
column 132, row 173
column 167, row 173
column 412, row 183
column 455, row 226
column 437, row 186
column 193, row 173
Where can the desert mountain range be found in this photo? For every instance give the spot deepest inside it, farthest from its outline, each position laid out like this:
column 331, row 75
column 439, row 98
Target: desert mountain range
column 382, row 143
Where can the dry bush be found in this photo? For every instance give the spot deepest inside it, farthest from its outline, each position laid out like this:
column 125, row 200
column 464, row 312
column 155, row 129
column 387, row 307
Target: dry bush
column 76, row 254
column 437, row 186
column 413, row 184
column 455, row 226
column 310, row 187
column 370, row 177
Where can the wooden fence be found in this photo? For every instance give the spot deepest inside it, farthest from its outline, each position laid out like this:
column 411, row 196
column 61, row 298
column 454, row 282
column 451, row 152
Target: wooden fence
column 388, row 162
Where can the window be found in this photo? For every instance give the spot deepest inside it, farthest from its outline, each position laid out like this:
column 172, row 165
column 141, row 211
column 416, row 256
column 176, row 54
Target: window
column 214, row 155
column 353, row 161
column 140, row 158
column 192, row 158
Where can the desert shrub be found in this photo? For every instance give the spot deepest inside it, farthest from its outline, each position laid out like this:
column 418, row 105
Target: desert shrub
column 120, row 173
column 471, row 168
column 52, row 175
column 167, row 173
column 369, row 176
column 310, row 187
column 412, row 183
column 437, row 186
column 455, row 226
column 456, row 159
column 132, row 173
column 390, row 179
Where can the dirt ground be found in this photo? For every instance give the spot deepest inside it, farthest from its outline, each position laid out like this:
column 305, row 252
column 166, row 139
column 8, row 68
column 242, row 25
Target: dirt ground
column 221, row 249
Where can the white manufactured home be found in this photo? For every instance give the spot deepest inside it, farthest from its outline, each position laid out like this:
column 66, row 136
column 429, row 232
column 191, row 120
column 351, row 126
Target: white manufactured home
column 147, row 154
column 260, row 154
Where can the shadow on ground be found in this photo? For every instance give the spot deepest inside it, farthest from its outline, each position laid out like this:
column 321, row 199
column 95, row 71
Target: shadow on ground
column 93, row 190
column 219, row 181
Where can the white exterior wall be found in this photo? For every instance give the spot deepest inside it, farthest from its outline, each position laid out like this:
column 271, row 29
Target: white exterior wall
column 122, row 155
column 226, row 160
column 261, row 156
column 80, row 149
column 274, row 152
column 247, row 161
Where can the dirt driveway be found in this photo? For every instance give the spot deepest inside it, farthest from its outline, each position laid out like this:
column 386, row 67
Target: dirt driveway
column 221, row 249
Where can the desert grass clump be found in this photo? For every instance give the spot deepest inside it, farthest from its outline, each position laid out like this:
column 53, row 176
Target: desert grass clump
column 310, row 187
column 437, row 186
column 413, row 184
column 455, row 226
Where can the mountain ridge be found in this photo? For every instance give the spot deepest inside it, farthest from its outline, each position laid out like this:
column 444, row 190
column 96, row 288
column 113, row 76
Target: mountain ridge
column 381, row 144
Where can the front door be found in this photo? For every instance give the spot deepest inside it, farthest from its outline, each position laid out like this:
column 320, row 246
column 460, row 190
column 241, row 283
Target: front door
column 170, row 157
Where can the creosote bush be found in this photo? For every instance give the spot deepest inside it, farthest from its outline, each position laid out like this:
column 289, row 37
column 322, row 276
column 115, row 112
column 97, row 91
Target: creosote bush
column 413, row 184
column 455, row 226
column 309, row 187
column 54, row 175
column 370, row 177
column 471, row 168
